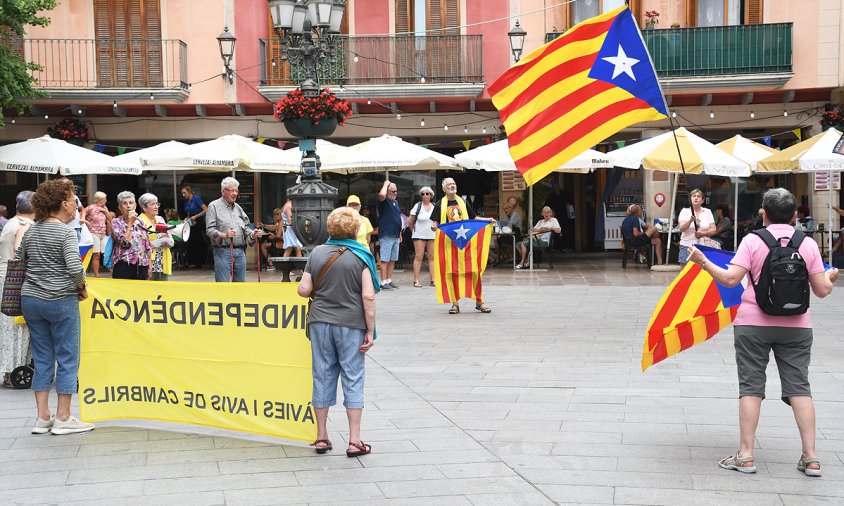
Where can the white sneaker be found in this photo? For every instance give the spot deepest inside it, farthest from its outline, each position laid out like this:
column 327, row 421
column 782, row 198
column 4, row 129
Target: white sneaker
column 70, row 426
column 43, row 426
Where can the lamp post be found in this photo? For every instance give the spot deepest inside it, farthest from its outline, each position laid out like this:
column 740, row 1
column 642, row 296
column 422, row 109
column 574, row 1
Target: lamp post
column 227, row 40
column 517, row 36
column 308, row 32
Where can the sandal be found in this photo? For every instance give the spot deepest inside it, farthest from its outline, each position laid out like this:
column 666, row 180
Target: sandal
column 362, row 449
column 322, row 449
column 480, row 306
column 432, row 283
column 803, row 466
column 454, row 309
column 417, row 284
column 737, row 463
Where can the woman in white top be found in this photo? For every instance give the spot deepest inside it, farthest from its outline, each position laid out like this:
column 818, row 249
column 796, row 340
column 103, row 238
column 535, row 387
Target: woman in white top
column 693, row 227
column 423, row 234
column 540, row 234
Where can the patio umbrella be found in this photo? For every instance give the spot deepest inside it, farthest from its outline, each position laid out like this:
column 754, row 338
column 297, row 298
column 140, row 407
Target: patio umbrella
column 291, row 159
column 495, row 157
column 164, row 149
column 385, row 153
column 660, row 153
column 46, row 155
column 749, row 152
column 812, row 155
column 230, row 152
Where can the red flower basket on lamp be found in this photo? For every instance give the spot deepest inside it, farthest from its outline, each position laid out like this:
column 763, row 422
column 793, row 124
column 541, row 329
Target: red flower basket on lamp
column 315, row 117
column 71, row 130
column 833, row 116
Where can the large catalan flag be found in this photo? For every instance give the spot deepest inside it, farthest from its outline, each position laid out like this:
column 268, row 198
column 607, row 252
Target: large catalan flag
column 461, row 249
column 575, row 91
column 693, row 309
column 86, row 245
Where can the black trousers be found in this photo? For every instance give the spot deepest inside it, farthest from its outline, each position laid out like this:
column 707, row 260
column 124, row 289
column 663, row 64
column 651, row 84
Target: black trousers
column 123, row 270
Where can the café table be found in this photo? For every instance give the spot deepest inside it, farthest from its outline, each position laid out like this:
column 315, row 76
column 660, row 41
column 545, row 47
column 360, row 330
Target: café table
column 512, row 237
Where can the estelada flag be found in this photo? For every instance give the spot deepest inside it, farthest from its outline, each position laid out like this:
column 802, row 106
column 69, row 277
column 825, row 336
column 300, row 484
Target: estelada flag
column 461, row 249
column 576, row 91
column 694, row 308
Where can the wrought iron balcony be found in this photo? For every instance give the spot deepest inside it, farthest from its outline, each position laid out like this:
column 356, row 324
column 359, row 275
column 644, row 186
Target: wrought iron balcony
column 747, row 52
column 384, row 60
column 84, row 67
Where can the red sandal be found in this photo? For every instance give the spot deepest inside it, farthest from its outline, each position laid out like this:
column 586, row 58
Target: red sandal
column 363, row 449
column 322, row 449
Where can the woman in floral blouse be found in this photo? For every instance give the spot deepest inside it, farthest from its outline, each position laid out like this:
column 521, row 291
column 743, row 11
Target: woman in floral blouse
column 132, row 249
column 98, row 219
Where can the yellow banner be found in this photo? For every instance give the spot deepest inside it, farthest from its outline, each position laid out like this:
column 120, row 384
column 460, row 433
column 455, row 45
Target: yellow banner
column 227, row 355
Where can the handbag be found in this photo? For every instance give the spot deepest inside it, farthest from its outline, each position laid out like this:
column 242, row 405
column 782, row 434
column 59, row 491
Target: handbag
column 15, row 276
column 319, row 277
column 108, row 262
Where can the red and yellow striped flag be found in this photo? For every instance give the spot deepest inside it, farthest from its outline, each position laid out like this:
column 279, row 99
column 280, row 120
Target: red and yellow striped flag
column 576, row 91
column 461, row 249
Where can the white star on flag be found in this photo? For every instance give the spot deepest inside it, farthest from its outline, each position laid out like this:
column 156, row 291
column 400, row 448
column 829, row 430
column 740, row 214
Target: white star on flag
column 623, row 64
column 460, row 233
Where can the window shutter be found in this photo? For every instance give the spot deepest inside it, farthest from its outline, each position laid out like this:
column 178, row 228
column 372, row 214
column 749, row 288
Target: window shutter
column 443, row 46
column 691, row 13
column 753, row 12
column 404, row 16
column 635, row 7
column 128, row 34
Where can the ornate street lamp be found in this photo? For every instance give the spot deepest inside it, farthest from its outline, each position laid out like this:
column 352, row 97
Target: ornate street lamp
column 517, row 36
column 307, row 30
column 227, row 40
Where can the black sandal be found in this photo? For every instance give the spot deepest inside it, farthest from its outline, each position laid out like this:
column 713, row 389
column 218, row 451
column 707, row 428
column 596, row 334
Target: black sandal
column 482, row 308
column 454, row 309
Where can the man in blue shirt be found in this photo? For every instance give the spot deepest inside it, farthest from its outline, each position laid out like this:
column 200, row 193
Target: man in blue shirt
column 637, row 234
column 389, row 232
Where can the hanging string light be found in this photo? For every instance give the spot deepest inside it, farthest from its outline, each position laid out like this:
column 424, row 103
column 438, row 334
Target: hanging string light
column 752, row 115
column 711, row 114
column 422, row 123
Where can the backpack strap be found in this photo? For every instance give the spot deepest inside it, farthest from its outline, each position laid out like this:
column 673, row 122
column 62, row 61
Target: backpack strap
column 797, row 239
column 766, row 236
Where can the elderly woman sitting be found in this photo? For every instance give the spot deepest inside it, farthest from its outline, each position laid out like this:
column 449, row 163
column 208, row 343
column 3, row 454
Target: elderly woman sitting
column 540, row 235
column 132, row 249
column 342, row 279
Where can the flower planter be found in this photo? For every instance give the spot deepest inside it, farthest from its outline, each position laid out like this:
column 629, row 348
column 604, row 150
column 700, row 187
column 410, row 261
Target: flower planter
column 76, row 141
column 304, row 127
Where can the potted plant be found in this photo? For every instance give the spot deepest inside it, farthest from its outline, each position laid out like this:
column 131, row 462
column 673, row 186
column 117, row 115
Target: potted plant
column 651, row 19
column 832, row 116
column 305, row 116
column 71, row 130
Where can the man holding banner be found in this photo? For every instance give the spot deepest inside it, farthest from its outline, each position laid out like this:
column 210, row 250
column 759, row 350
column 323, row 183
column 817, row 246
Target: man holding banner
column 757, row 332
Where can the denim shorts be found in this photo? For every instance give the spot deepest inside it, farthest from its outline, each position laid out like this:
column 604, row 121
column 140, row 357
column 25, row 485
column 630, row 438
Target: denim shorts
column 54, row 337
column 792, row 347
column 389, row 249
column 336, row 354
column 683, row 254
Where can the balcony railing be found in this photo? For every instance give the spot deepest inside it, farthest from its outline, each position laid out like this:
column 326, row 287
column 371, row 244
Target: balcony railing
column 399, row 59
column 107, row 63
column 719, row 50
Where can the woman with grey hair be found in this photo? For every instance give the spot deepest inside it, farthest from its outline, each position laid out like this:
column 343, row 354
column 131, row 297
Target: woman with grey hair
column 132, row 249
column 14, row 338
column 98, row 218
column 161, row 261
column 423, row 234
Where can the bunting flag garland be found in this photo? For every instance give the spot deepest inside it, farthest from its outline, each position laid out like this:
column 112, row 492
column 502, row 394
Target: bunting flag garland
column 798, row 133
column 461, row 249
column 767, row 140
column 692, row 310
column 466, row 144
column 121, row 150
column 576, row 91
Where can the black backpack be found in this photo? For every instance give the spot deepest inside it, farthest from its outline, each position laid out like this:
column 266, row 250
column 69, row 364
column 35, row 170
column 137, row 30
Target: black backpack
column 783, row 285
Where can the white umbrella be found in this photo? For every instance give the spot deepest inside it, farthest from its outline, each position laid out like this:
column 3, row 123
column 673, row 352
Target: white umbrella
column 291, row 159
column 385, row 153
column 495, row 157
column 46, row 155
column 169, row 148
column 230, row 152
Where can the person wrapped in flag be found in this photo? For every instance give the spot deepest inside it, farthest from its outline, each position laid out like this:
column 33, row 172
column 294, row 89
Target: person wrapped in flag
column 461, row 249
column 758, row 332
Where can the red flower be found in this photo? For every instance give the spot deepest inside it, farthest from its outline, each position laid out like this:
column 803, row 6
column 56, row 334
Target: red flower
column 325, row 105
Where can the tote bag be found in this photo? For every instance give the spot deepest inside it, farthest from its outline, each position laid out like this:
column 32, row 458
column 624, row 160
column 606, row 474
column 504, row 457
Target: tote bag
column 107, row 261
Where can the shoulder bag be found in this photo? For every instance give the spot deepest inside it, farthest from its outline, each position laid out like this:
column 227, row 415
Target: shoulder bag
column 319, row 277
column 15, row 276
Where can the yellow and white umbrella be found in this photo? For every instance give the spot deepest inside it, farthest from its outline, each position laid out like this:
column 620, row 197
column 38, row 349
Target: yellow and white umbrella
column 812, row 155
column 749, row 152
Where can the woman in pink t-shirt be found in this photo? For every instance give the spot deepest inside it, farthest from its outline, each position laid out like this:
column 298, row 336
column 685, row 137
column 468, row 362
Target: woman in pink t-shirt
column 757, row 333
column 98, row 219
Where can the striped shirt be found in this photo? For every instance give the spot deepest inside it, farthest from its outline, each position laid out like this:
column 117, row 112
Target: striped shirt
column 53, row 266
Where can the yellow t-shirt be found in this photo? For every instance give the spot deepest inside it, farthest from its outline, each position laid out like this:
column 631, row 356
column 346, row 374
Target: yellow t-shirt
column 365, row 228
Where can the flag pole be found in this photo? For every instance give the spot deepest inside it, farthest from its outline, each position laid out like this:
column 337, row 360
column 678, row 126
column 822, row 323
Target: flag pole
column 683, row 169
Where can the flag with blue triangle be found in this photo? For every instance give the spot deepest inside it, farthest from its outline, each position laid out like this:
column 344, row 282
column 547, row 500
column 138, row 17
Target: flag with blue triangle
column 461, row 250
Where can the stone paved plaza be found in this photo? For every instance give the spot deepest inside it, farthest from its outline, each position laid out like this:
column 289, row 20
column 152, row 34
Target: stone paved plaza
column 542, row 401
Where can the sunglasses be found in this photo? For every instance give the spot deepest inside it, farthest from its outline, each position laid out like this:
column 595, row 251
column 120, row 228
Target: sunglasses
column 426, row 193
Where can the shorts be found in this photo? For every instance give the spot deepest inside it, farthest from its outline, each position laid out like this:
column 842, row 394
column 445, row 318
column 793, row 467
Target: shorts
column 336, row 354
column 792, row 348
column 683, row 254
column 389, row 249
column 100, row 242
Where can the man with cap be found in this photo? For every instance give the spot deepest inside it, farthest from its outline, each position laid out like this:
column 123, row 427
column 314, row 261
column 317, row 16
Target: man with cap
column 365, row 229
